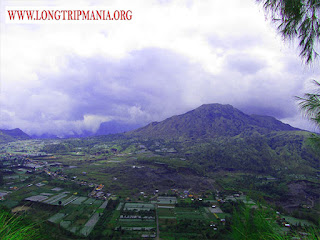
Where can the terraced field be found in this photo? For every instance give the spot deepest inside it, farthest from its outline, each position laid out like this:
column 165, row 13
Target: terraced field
column 79, row 218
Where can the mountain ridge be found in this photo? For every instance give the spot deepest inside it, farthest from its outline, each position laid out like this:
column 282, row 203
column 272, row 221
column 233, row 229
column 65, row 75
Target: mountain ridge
column 13, row 135
column 211, row 120
column 206, row 121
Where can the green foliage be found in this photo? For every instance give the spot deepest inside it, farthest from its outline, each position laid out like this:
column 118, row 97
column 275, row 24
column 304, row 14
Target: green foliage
column 313, row 233
column 297, row 19
column 56, row 148
column 251, row 224
column 314, row 142
column 277, row 151
column 260, row 224
column 231, row 206
column 310, row 104
column 14, row 228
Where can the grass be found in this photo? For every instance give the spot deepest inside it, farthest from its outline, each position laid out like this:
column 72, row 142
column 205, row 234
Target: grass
column 258, row 225
column 166, row 212
column 12, row 228
column 100, row 210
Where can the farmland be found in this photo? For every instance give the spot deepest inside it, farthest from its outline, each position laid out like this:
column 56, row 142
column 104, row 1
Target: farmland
column 131, row 189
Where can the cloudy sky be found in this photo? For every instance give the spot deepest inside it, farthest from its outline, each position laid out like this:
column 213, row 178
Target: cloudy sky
column 171, row 57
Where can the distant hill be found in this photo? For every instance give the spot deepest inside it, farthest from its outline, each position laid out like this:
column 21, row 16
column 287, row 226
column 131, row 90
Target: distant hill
column 13, row 135
column 45, row 136
column 211, row 120
column 114, row 126
column 105, row 128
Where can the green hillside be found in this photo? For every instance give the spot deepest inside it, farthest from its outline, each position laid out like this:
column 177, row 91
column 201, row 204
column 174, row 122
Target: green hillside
column 12, row 135
column 219, row 137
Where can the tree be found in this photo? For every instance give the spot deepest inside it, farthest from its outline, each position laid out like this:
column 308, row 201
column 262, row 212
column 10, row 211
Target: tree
column 297, row 19
column 310, row 104
column 1, row 179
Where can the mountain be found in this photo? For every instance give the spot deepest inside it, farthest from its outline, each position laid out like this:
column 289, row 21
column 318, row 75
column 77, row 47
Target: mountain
column 13, row 135
column 209, row 121
column 220, row 137
column 114, row 126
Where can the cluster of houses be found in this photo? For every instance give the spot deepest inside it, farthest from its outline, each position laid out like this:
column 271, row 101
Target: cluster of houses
column 11, row 162
column 98, row 193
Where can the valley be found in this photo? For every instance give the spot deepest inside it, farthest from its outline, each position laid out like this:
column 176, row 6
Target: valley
column 151, row 183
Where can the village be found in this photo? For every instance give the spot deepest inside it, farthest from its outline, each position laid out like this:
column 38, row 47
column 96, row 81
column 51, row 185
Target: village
column 63, row 188
column 145, row 216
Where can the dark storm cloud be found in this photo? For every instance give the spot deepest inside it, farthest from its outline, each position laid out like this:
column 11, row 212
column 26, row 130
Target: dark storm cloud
column 149, row 79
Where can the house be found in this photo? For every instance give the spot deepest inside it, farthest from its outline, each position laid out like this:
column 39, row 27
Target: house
column 99, row 187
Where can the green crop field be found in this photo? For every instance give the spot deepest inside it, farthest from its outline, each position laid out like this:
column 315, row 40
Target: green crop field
column 79, row 200
column 57, row 217
column 138, row 206
column 188, row 213
column 79, row 218
column 136, row 223
column 166, row 212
